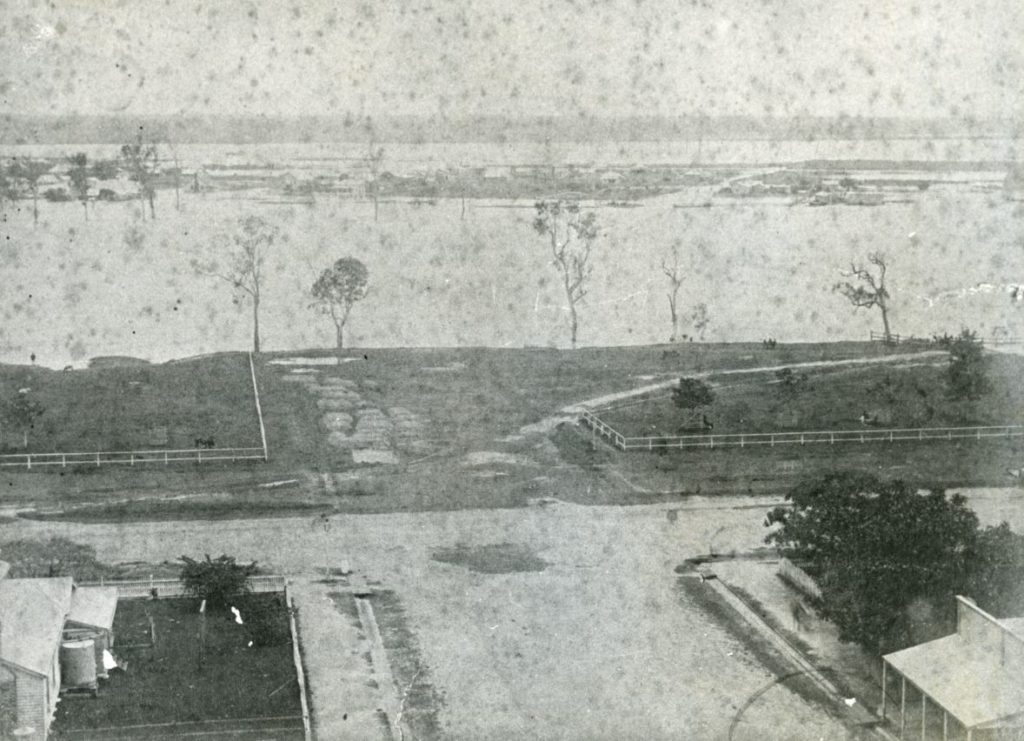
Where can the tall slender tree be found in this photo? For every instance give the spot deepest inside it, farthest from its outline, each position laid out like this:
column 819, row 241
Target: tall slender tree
column 571, row 234
column 79, row 172
column 674, row 273
column 141, row 161
column 28, row 172
column 246, row 256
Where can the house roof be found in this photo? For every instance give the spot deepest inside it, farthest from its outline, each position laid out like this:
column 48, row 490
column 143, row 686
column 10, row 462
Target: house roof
column 971, row 683
column 32, row 613
column 94, row 606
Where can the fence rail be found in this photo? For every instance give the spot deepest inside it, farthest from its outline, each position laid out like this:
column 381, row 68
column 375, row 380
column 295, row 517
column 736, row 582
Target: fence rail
column 127, row 589
column 130, row 457
column 807, row 437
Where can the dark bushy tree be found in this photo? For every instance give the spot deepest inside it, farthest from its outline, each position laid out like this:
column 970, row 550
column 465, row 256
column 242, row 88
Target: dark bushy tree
column 968, row 367
column 996, row 571
column 216, row 580
column 692, row 393
column 21, row 411
column 877, row 548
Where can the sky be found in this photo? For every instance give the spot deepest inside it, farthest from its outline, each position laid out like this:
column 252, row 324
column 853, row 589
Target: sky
column 914, row 58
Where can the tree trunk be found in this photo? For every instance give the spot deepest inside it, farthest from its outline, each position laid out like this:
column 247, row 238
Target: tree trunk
column 142, row 202
column 885, row 322
column 152, row 206
column 675, row 318
column 339, row 339
column 574, row 322
column 376, row 206
column 85, row 207
column 35, row 207
column 256, row 325
column 24, row 439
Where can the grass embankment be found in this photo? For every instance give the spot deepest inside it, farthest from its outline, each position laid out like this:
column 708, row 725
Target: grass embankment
column 136, row 407
column 906, row 395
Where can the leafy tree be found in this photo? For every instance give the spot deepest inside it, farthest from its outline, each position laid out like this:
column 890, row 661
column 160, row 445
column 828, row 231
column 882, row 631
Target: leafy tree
column 967, row 372
column 995, row 573
column 700, row 320
column 246, row 257
column 337, row 290
column 692, row 393
column 571, row 234
column 20, row 411
column 216, row 580
column 140, row 159
column 869, row 289
column 29, row 172
column 79, row 172
column 877, row 548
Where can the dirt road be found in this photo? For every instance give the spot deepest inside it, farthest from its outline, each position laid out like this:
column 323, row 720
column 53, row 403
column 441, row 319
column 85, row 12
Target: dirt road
column 599, row 643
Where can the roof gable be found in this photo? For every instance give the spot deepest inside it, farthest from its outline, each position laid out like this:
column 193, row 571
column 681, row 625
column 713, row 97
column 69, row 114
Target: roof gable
column 32, row 614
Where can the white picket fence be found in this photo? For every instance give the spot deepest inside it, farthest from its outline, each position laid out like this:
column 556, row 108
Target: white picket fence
column 807, row 437
column 127, row 589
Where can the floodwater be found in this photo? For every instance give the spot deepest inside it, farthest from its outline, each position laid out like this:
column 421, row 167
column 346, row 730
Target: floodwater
column 117, row 284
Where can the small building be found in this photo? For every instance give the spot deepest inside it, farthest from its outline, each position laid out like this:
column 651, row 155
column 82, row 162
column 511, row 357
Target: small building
column 972, row 678
column 92, row 618
column 32, row 617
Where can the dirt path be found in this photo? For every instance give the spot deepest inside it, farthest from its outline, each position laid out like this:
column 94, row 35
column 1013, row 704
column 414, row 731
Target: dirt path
column 619, row 395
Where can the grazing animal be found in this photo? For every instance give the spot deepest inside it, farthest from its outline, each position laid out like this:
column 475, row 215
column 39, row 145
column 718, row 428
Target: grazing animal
column 705, row 423
column 869, row 420
column 68, row 368
column 204, row 442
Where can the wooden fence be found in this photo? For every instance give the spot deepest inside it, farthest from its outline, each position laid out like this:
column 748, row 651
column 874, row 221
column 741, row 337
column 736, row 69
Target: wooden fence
column 808, row 437
column 128, row 589
column 131, row 457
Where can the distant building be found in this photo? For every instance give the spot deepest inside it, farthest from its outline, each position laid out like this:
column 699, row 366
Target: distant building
column 972, row 678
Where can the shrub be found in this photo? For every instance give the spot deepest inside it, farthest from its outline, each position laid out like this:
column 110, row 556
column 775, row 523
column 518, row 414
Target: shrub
column 692, row 393
column 967, row 372
column 216, row 580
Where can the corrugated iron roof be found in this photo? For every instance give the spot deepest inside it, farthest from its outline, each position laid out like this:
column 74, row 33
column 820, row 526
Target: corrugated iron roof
column 971, row 683
column 94, row 606
column 32, row 614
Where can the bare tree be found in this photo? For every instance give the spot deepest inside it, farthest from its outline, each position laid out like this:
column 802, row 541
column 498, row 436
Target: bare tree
column 869, row 290
column 140, row 159
column 337, row 290
column 572, row 234
column 675, row 278
column 246, row 257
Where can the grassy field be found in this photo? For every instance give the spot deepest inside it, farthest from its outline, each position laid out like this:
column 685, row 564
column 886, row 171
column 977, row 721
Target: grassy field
column 486, row 432
column 166, row 684
column 897, row 396
column 136, row 407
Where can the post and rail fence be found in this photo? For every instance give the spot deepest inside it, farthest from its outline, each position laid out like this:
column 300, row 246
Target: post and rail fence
column 807, row 437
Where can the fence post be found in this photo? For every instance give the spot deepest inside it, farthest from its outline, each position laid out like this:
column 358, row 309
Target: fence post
column 28, row 461
column 741, row 441
column 63, row 460
column 132, row 462
column 831, row 438
column 97, row 458
column 801, row 438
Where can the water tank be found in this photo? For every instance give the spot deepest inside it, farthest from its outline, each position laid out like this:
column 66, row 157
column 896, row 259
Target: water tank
column 78, row 663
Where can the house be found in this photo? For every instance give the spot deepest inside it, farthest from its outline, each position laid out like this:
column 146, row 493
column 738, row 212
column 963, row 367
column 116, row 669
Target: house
column 36, row 617
column 32, row 616
column 972, row 677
